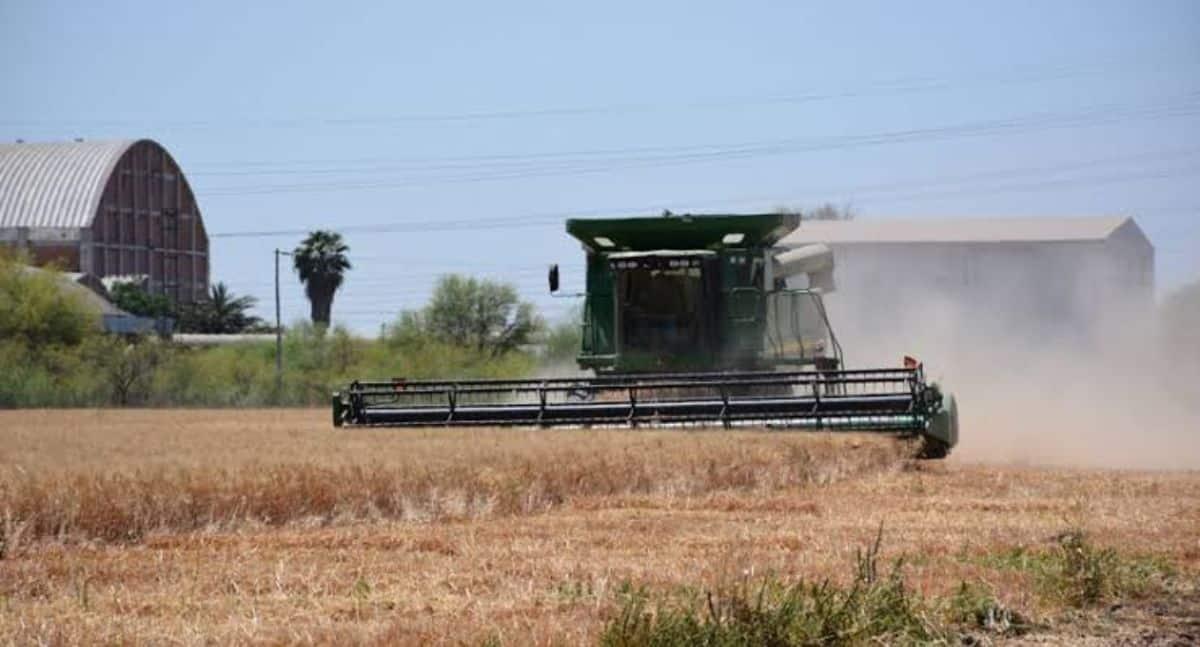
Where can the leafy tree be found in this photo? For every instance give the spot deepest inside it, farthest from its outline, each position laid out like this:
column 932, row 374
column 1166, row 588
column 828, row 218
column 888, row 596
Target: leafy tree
column 126, row 367
column 321, row 262
column 476, row 313
column 827, row 211
column 36, row 309
column 133, row 299
column 562, row 341
column 409, row 330
column 221, row 313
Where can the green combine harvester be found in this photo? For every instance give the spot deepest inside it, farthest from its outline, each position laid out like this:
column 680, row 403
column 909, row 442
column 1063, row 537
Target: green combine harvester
column 688, row 320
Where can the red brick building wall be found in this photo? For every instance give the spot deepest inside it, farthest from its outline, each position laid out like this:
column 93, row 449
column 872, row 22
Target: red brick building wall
column 148, row 223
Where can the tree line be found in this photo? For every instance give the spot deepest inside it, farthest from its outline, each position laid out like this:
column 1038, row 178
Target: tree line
column 320, row 261
column 55, row 354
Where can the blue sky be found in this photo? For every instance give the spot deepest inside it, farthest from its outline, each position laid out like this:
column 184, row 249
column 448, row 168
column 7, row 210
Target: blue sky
column 431, row 119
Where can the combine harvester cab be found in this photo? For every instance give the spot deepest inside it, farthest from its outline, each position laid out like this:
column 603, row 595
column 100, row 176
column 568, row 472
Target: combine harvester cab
column 688, row 320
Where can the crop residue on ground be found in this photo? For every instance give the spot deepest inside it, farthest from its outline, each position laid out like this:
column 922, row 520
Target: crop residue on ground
column 268, row 526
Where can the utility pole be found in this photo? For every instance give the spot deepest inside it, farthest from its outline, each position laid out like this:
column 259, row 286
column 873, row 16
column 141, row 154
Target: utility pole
column 278, row 331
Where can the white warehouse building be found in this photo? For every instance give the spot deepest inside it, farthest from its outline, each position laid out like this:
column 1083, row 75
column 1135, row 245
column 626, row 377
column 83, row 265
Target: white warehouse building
column 1054, row 278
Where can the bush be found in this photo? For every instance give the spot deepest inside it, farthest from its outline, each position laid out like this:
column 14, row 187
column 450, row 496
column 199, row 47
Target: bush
column 54, row 354
column 127, row 367
column 974, row 606
column 1077, row 573
column 562, row 341
column 481, row 314
column 106, row 370
column 871, row 609
column 36, row 309
column 133, row 299
column 1084, row 575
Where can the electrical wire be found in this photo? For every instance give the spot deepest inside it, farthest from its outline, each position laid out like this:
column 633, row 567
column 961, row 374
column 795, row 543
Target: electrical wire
column 904, row 188
column 1096, row 115
column 887, row 87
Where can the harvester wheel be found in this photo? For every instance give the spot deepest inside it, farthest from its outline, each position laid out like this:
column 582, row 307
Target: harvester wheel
column 933, row 449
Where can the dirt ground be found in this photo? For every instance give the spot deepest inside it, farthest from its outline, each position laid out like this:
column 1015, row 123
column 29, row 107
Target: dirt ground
column 435, row 558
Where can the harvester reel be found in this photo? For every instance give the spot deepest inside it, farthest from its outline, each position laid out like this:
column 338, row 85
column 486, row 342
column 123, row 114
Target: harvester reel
column 892, row 401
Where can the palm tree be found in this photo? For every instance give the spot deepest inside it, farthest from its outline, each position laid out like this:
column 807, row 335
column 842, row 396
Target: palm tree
column 219, row 313
column 228, row 313
column 321, row 262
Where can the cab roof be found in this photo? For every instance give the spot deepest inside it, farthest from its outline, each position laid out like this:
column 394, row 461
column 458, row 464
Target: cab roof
column 682, row 231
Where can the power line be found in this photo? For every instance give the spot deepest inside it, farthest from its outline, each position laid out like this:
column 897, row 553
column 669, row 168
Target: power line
column 1099, row 115
column 375, row 165
column 419, row 265
column 903, row 187
column 556, row 218
column 889, row 87
column 1033, row 187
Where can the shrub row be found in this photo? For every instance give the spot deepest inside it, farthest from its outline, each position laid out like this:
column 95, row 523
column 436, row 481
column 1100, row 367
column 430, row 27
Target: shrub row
column 110, row 371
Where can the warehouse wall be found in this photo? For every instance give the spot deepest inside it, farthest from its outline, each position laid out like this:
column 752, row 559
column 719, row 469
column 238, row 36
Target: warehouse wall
column 1051, row 292
column 148, row 223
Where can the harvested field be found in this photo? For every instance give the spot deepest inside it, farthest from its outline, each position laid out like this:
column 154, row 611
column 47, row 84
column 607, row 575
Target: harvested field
column 118, row 476
column 267, row 526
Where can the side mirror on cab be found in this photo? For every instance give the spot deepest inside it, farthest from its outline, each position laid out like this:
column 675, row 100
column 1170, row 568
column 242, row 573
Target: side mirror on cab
column 553, row 278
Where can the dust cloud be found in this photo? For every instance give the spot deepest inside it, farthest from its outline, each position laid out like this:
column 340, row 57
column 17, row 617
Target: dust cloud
column 561, row 369
column 1037, row 392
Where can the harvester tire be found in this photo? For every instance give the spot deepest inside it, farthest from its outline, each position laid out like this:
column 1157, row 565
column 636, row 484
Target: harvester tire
column 933, row 449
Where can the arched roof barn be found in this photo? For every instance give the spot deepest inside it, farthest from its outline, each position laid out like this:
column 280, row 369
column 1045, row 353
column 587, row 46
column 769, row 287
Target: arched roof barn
column 109, row 208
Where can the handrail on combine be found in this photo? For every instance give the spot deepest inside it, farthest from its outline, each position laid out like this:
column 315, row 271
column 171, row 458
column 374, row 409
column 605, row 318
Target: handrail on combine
column 818, row 302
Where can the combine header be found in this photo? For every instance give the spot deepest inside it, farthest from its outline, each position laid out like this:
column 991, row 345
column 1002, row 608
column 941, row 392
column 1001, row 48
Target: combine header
column 688, row 320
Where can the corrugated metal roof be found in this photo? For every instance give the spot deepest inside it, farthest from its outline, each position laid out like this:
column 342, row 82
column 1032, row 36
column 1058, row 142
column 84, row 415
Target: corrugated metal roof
column 55, row 184
column 954, row 230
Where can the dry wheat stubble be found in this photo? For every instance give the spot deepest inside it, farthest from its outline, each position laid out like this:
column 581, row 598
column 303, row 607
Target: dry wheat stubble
column 269, row 526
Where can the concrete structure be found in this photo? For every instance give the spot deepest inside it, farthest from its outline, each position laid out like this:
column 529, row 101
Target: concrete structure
column 105, row 208
column 212, row 339
column 1039, row 276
